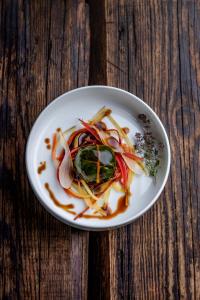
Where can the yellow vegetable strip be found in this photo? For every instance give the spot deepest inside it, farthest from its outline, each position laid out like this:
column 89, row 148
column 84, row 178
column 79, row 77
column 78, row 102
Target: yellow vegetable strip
column 71, row 129
column 118, row 187
column 80, row 191
column 88, row 190
column 94, row 205
column 104, row 111
column 106, row 195
column 128, row 193
column 121, row 132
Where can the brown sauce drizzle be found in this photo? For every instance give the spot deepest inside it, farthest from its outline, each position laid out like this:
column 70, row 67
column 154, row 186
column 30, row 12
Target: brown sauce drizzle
column 58, row 129
column 42, row 167
column 49, row 146
column 66, row 207
column 121, row 207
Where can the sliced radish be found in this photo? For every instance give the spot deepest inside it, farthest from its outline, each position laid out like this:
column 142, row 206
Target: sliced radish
column 112, row 142
column 114, row 133
column 133, row 165
column 109, row 140
column 65, row 169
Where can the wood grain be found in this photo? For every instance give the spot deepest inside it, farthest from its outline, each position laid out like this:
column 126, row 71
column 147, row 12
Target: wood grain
column 44, row 52
column 152, row 49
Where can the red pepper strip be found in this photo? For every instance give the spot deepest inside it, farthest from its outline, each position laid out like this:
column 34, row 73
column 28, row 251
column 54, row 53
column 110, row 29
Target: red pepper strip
column 74, row 150
column 117, row 176
column 123, row 169
column 90, row 129
column 74, row 134
column 133, row 156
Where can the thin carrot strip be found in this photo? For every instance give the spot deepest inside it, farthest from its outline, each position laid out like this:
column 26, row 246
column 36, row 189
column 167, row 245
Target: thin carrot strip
column 54, row 146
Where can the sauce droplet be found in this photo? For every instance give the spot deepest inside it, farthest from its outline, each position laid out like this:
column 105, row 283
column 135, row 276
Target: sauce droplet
column 58, row 129
column 41, row 167
column 66, row 207
column 47, row 141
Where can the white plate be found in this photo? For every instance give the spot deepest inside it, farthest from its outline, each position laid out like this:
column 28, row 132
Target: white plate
column 64, row 112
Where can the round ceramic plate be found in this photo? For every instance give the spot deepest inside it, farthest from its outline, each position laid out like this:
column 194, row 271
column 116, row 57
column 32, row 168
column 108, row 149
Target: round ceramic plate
column 63, row 113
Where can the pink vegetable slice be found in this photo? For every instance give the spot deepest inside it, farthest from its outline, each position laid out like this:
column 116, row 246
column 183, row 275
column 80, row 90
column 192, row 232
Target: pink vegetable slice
column 65, row 169
column 113, row 142
column 133, row 165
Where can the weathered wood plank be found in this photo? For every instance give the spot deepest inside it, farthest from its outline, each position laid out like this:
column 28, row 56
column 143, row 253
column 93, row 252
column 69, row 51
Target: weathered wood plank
column 44, row 52
column 153, row 51
column 150, row 48
column 154, row 61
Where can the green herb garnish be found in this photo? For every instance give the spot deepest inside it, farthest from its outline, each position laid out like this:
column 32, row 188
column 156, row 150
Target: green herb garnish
column 148, row 147
column 87, row 160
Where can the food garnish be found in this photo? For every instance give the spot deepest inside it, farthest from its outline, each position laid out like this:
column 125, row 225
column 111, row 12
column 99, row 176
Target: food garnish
column 147, row 146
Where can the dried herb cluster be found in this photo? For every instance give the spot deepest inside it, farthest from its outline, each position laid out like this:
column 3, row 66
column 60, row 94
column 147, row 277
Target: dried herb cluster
column 148, row 147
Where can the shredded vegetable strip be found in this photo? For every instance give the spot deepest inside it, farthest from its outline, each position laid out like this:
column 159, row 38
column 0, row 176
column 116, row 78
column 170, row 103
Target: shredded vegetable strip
column 80, row 190
column 100, row 115
column 88, row 190
column 128, row 193
column 117, row 187
column 74, row 134
column 95, row 206
column 69, row 130
column 106, row 195
column 90, row 129
column 123, row 169
column 133, row 156
column 121, row 132
column 81, row 213
column 54, row 146
column 88, row 201
column 72, row 193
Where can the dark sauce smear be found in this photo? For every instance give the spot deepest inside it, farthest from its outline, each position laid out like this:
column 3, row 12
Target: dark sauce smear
column 58, row 129
column 49, row 147
column 42, row 167
column 57, row 203
column 121, row 207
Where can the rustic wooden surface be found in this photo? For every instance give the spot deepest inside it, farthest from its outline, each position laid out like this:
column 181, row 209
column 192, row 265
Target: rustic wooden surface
column 149, row 47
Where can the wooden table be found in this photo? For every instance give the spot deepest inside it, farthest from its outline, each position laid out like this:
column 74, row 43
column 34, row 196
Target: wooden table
column 152, row 49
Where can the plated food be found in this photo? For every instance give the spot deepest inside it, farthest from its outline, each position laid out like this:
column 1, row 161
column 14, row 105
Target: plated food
column 109, row 194
column 97, row 155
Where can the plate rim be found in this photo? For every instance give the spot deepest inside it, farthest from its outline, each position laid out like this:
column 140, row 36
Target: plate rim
column 122, row 223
